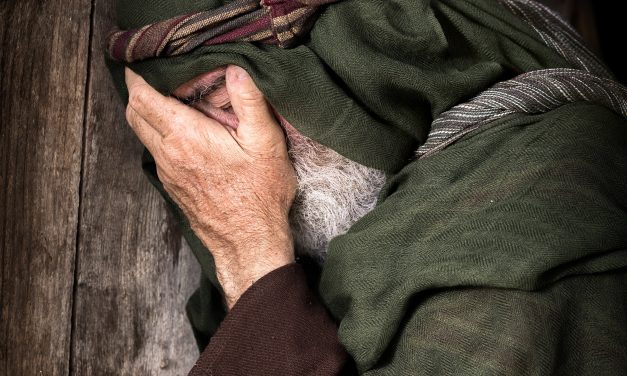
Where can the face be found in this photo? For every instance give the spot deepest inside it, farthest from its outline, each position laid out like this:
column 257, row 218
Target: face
column 207, row 93
column 333, row 191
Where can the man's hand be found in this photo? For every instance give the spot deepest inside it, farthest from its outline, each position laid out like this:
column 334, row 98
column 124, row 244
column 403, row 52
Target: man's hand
column 236, row 186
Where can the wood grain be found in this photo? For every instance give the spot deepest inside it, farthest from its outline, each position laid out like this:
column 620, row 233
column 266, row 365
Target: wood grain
column 43, row 68
column 134, row 272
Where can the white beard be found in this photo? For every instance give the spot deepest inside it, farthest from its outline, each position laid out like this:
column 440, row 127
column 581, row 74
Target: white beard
column 333, row 193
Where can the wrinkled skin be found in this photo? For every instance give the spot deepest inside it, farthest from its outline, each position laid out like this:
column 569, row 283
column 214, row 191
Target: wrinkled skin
column 233, row 178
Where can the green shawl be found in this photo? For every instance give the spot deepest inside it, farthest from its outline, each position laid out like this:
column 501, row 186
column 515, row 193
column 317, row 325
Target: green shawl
column 504, row 253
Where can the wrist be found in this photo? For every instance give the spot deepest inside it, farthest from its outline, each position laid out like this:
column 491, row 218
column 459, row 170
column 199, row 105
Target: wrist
column 235, row 284
column 240, row 244
column 235, row 278
column 248, row 258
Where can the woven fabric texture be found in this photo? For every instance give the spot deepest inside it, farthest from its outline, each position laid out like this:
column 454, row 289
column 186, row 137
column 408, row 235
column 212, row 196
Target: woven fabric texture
column 504, row 253
column 277, row 22
column 534, row 92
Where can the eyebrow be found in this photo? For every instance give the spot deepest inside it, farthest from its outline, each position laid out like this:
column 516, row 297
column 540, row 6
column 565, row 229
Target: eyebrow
column 201, row 90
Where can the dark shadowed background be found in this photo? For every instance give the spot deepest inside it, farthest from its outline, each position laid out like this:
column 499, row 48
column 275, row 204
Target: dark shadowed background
column 94, row 272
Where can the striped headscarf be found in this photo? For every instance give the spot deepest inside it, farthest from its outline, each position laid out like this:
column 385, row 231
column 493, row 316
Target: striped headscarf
column 377, row 68
column 278, row 22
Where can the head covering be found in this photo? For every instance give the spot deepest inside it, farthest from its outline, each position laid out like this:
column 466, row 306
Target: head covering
column 371, row 75
column 277, row 22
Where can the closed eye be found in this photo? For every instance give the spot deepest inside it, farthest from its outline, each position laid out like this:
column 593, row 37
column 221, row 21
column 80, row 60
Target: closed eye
column 201, row 90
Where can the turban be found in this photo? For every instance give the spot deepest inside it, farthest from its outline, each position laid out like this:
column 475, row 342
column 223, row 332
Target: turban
column 380, row 70
column 281, row 22
column 277, row 22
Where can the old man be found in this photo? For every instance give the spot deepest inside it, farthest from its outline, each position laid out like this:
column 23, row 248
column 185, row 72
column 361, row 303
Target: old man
column 401, row 187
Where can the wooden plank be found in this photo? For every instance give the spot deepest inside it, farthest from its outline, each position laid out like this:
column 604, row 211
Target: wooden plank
column 43, row 67
column 134, row 272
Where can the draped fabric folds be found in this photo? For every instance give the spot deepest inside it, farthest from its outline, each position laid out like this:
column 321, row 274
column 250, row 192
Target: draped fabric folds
column 534, row 92
column 278, row 22
column 503, row 253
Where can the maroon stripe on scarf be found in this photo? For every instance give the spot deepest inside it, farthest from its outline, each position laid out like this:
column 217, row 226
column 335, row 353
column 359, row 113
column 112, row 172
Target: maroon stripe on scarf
column 120, row 45
column 165, row 34
column 181, row 34
column 257, row 25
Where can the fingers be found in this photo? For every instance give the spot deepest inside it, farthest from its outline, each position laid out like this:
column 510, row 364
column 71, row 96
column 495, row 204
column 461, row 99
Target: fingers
column 161, row 113
column 146, row 133
column 147, row 103
column 249, row 104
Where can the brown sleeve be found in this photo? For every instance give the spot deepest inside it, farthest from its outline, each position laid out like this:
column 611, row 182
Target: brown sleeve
column 277, row 327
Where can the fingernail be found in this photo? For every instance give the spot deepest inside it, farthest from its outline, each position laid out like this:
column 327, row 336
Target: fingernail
column 240, row 73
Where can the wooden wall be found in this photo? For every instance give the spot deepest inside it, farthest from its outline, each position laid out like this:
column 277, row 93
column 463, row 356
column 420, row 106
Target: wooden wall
column 94, row 274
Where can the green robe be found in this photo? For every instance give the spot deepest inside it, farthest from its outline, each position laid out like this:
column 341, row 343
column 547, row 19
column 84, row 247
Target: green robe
column 505, row 253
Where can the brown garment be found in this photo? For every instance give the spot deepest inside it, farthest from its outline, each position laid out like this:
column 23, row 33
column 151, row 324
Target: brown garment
column 277, row 327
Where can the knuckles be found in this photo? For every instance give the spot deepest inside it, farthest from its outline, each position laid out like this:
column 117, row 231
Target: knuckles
column 251, row 97
column 178, row 150
column 137, row 95
column 131, row 116
column 136, row 98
